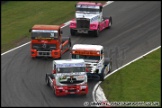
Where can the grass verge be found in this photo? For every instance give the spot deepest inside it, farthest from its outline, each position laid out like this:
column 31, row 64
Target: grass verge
column 17, row 17
column 140, row 81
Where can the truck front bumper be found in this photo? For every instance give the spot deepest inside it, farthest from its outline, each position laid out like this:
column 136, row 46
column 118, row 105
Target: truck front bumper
column 74, row 89
column 53, row 53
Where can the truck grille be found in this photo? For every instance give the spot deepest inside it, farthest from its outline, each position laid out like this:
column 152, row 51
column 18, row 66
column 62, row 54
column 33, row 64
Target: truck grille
column 44, row 53
column 44, row 47
column 74, row 81
column 74, row 90
column 83, row 23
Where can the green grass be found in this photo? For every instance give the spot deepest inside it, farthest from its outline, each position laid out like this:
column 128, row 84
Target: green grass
column 17, row 17
column 139, row 81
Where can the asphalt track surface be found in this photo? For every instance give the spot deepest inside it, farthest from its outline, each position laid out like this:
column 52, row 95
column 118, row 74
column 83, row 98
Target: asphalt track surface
column 136, row 30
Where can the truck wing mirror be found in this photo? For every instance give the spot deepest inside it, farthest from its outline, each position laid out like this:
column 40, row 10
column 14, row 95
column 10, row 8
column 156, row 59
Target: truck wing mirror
column 61, row 32
column 30, row 30
column 54, row 71
column 101, row 8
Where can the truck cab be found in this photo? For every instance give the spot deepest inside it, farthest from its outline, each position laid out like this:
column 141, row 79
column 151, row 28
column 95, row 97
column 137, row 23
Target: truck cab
column 96, row 63
column 89, row 19
column 47, row 41
column 68, row 77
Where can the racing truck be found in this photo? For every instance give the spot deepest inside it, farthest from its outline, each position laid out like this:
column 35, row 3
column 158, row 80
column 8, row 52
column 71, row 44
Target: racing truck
column 47, row 41
column 89, row 19
column 96, row 63
column 68, row 77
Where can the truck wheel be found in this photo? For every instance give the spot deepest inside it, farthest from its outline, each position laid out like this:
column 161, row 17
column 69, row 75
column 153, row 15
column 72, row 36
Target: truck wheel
column 33, row 58
column 54, row 91
column 59, row 57
column 84, row 95
column 107, row 61
column 96, row 33
column 110, row 23
column 72, row 32
column 102, row 76
column 110, row 67
column 69, row 44
column 47, row 80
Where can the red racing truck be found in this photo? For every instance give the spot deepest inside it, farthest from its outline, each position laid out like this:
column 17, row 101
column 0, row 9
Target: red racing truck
column 68, row 77
column 47, row 41
column 89, row 19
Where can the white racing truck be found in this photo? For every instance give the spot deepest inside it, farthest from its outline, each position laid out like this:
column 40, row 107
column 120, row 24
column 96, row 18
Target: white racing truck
column 96, row 63
column 68, row 77
column 89, row 19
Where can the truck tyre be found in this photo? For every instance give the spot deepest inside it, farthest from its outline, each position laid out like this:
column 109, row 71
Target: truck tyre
column 96, row 33
column 107, row 61
column 84, row 95
column 54, row 91
column 110, row 23
column 110, row 67
column 60, row 56
column 33, row 58
column 69, row 43
column 72, row 32
column 47, row 80
column 102, row 75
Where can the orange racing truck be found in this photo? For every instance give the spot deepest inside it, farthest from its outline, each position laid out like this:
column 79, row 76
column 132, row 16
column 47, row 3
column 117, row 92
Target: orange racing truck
column 47, row 41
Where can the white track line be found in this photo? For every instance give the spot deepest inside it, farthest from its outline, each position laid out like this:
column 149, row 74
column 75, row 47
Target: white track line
column 96, row 86
column 107, row 3
column 15, row 48
column 65, row 24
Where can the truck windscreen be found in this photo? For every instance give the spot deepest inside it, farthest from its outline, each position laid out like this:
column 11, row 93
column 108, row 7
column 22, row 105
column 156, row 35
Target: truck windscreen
column 44, row 34
column 87, row 8
column 86, row 57
column 71, row 69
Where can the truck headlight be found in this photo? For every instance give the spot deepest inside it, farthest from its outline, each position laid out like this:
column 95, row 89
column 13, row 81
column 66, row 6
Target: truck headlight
column 72, row 24
column 59, row 87
column 93, row 26
column 83, row 87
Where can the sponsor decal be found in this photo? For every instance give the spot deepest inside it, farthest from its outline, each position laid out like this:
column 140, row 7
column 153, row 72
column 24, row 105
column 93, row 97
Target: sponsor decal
column 70, row 65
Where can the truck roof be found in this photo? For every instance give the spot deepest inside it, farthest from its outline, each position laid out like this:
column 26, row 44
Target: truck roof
column 90, row 3
column 46, row 27
column 87, row 47
column 69, row 63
